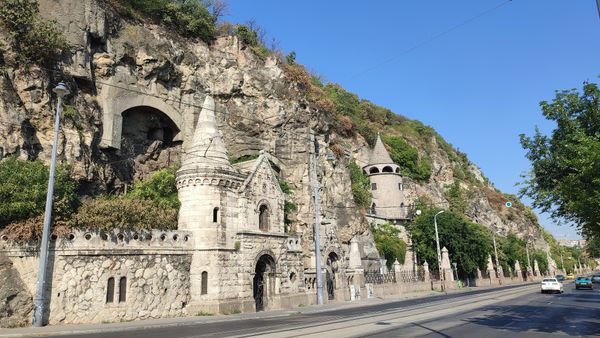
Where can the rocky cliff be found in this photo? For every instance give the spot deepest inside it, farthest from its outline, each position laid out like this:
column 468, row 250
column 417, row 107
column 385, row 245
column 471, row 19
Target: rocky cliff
column 137, row 89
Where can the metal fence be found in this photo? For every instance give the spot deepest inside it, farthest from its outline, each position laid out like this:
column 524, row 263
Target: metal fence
column 410, row 276
column 378, row 278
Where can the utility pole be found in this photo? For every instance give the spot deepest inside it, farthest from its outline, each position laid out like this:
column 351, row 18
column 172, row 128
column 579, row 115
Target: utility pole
column 316, row 228
column 38, row 311
column 498, row 267
column 437, row 241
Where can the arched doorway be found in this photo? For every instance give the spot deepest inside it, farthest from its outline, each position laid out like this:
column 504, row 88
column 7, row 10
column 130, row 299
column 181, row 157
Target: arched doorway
column 331, row 268
column 263, row 282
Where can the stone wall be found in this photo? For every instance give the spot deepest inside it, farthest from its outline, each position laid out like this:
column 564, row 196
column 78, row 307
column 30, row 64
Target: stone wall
column 155, row 266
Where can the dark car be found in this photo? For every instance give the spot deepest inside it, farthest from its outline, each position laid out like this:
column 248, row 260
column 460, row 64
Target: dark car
column 596, row 279
column 560, row 278
column 583, row 282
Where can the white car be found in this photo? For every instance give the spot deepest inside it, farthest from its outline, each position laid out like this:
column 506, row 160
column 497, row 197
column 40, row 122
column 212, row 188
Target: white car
column 551, row 285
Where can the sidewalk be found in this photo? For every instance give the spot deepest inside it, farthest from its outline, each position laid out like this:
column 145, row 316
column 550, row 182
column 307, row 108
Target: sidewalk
column 73, row 329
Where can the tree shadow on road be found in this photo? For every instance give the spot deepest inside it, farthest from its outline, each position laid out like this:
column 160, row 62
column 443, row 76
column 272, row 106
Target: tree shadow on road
column 548, row 317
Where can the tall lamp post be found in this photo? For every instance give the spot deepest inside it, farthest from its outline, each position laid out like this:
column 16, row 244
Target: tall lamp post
column 498, row 266
column 439, row 254
column 38, row 312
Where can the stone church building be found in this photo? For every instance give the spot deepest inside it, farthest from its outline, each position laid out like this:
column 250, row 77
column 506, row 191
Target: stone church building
column 235, row 215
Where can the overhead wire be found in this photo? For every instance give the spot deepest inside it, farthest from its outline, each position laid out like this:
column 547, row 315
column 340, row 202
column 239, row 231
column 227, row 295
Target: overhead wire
column 431, row 39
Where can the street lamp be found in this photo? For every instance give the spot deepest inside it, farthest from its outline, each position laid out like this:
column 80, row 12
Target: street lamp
column 439, row 254
column 414, row 247
column 38, row 312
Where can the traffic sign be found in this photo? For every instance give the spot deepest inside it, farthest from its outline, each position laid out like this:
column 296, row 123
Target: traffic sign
column 508, row 204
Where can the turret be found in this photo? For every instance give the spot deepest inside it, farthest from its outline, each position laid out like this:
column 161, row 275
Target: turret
column 387, row 186
column 204, row 180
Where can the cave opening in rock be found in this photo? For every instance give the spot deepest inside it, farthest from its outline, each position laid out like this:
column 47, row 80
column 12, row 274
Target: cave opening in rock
column 144, row 125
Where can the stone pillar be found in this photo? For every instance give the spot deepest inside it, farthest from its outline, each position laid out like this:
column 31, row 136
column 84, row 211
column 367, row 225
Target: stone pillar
column 447, row 269
column 479, row 273
column 426, row 272
column 536, row 268
column 355, row 259
column 398, row 271
column 490, row 269
column 518, row 271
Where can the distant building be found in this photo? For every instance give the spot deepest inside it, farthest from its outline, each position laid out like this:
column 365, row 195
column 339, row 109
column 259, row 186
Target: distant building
column 571, row 243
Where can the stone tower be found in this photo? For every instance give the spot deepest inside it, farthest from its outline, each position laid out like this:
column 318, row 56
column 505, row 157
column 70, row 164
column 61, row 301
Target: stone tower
column 207, row 187
column 387, row 186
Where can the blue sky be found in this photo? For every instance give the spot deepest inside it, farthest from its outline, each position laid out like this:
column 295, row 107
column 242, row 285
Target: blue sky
column 479, row 85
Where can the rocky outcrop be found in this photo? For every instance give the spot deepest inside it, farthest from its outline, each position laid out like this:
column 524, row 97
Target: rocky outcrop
column 16, row 303
column 137, row 91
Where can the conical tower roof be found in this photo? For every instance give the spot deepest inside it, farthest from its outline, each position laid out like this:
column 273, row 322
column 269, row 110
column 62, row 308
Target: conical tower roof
column 207, row 149
column 380, row 154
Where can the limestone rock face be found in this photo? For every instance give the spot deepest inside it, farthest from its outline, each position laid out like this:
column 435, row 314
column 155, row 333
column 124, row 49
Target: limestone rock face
column 16, row 303
column 137, row 92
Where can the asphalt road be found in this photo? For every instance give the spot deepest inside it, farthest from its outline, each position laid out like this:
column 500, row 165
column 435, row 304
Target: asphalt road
column 520, row 311
column 573, row 313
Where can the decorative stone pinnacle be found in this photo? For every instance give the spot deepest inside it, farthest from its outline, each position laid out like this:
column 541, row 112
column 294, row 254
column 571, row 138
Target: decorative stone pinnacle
column 207, row 148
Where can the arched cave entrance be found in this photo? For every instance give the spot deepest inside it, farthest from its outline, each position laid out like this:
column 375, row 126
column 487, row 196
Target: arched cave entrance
column 147, row 145
column 143, row 126
column 263, row 284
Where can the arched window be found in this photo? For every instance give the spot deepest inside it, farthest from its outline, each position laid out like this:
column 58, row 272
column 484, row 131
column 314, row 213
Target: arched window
column 373, row 211
column 110, row 290
column 388, row 169
column 374, row 170
column 122, row 289
column 402, row 206
column 263, row 218
column 397, row 170
column 373, row 186
column 401, row 186
column 215, row 215
column 204, row 286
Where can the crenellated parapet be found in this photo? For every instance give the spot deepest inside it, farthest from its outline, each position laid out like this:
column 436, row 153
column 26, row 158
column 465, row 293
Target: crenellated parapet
column 80, row 242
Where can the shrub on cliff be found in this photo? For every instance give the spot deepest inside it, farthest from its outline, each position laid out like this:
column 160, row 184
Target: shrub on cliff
column 32, row 38
column 407, row 157
column 191, row 18
column 23, row 187
column 361, row 186
column 110, row 213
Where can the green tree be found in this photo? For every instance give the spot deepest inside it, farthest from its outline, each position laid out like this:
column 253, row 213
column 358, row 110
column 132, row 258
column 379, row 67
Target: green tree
column 160, row 188
column 388, row 244
column 564, row 177
column 456, row 198
column 23, row 187
column 510, row 250
column 468, row 244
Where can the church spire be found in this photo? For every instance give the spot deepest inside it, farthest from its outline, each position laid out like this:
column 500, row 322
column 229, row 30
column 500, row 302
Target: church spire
column 380, row 154
column 207, row 148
